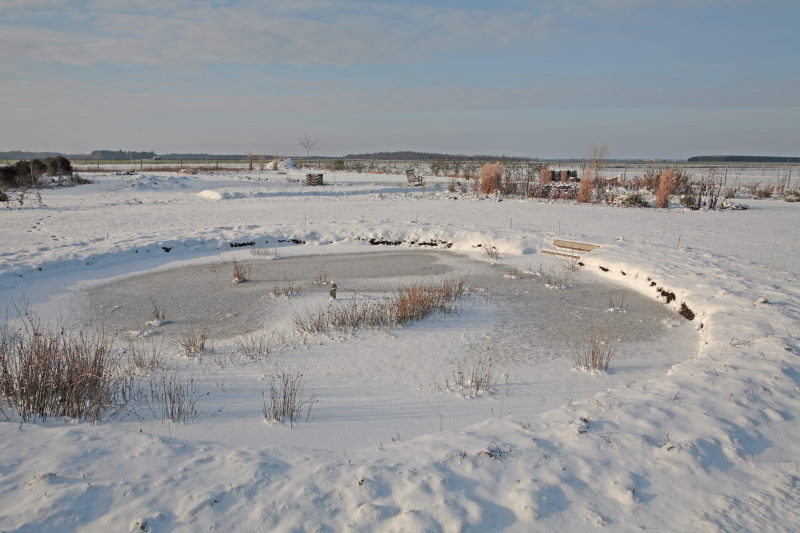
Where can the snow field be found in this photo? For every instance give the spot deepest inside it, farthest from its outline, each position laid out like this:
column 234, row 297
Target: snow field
column 708, row 442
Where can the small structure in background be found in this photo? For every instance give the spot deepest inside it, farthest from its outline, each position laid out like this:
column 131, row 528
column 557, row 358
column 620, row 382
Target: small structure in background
column 564, row 175
column 314, row 180
column 413, row 179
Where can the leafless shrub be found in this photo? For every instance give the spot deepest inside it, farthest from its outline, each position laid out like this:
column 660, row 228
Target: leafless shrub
column 451, row 185
column 254, row 346
column 249, row 161
column 312, row 321
column 171, row 398
column 47, row 372
column 275, row 161
column 490, row 177
column 596, row 352
column 286, row 400
column 241, row 272
column 193, row 342
column 284, row 290
column 473, row 378
column 262, row 162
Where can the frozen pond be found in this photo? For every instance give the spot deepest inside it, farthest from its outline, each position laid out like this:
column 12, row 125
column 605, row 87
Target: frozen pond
column 375, row 384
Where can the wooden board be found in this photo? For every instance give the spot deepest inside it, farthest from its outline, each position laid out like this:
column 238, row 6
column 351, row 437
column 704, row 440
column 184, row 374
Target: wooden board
column 561, row 254
column 574, row 245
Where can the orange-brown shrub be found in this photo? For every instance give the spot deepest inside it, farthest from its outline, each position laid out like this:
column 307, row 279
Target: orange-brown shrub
column 544, row 175
column 491, row 175
column 666, row 184
column 585, row 189
column 564, row 176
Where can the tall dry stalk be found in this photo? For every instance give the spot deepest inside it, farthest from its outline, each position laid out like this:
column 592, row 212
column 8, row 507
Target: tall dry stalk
column 262, row 162
column 249, row 161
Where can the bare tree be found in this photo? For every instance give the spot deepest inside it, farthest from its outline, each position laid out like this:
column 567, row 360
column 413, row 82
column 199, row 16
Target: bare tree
column 597, row 154
column 308, row 143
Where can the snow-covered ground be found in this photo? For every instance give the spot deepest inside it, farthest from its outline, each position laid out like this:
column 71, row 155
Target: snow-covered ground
column 692, row 429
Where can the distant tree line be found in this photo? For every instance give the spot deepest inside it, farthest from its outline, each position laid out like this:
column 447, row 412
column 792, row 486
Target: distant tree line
column 29, row 173
column 742, row 159
column 422, row 156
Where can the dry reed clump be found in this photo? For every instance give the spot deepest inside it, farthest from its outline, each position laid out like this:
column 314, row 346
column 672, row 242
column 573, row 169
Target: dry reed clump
column 286, row 398
column 249, row 161
column 49, row 372
column 410, row 304
column 544, row 175
column 666, row 186
column 596, row 353
column 241, row 272
column 276, row 159
column 491, row 177
column 193, row 342
column 584, row 195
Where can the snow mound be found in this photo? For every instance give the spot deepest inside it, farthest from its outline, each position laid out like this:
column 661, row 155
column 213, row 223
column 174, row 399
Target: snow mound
column 287, row 163
column 210, row 195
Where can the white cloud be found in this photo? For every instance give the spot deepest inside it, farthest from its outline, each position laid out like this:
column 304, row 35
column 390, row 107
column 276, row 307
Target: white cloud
column 304, row 33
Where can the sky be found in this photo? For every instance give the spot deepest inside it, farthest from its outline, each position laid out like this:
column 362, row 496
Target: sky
column 549, row 78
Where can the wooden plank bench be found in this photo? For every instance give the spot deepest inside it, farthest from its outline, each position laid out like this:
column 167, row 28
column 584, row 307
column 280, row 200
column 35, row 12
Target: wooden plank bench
column 572, row 246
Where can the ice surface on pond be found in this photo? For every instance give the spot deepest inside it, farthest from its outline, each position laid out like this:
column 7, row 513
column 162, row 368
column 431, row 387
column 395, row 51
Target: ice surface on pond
column 393, row 377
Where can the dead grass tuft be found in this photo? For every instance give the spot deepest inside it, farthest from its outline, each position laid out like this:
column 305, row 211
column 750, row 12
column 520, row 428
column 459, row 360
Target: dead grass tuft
column 241, row 272
column 193, row 342
column 286, row 398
